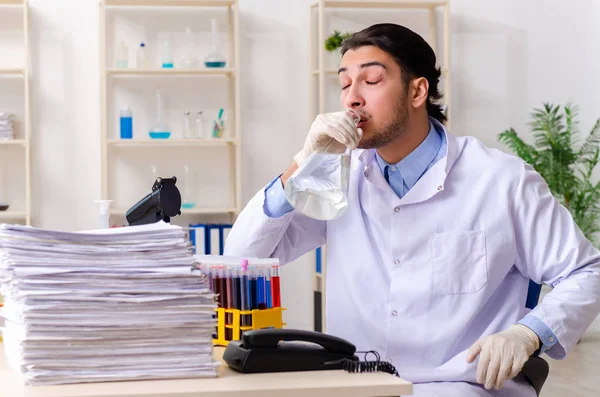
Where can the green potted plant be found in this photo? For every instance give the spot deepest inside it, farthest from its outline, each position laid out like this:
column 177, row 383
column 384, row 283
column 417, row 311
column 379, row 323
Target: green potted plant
column 336, row 40
column 333, row 45
column 565, row 166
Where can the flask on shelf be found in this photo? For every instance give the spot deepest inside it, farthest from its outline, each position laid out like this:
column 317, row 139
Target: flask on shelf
column 167, row 54
column 215, row 59
column 160, row 129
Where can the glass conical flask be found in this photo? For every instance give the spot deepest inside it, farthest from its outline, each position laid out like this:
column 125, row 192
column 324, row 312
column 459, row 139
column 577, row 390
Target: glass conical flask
column 215, row 59
column 189, row 60
column 319, row 188
column 159, row 129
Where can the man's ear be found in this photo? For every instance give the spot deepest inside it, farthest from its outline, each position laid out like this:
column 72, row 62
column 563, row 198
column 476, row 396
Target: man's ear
column 419, row 90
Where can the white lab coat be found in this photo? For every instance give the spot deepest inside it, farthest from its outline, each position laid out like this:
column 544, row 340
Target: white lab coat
column 420, row 279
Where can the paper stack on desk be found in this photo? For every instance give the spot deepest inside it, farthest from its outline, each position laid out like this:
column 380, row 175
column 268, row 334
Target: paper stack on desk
column 106, row 305
column 6, row 126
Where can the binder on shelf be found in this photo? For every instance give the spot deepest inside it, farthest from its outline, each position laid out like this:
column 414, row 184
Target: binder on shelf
column 213, row 243
column 209, row 239
column 223, row 233
column 198, row 237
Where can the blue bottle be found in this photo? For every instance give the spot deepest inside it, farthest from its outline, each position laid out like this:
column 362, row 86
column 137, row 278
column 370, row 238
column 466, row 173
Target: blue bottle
column 126, row 123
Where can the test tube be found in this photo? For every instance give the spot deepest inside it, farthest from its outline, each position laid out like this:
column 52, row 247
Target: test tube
column 218, row 276
column 269, row 298
column 228, row 302
column 207, row 270
column 252, row 293
column 235, row 288
column 275, row 286
column 260, row 288
column 244, row 296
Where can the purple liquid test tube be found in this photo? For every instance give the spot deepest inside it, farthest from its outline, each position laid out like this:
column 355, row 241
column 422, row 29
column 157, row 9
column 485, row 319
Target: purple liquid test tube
column 244, row 295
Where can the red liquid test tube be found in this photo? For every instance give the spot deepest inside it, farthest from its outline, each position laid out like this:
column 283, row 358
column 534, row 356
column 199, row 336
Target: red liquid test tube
column 275, row 286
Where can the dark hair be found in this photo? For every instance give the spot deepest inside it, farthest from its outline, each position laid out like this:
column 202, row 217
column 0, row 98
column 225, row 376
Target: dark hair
column 412, row 53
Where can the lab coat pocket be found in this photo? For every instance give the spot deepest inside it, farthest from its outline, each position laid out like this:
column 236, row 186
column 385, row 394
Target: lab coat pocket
column 459, row 262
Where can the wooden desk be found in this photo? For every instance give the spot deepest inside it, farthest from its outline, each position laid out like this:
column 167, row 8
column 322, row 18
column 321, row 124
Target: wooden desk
column 228, row 384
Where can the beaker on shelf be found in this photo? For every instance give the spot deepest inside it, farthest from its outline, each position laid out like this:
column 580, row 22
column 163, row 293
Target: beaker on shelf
column 215, row 59
column 319, row 187
column 187, row 184
column 159, row 129
column 189, row 60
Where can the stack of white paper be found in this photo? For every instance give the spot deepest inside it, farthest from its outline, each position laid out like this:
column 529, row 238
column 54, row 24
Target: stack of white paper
column 6, row 126
column 114, row 304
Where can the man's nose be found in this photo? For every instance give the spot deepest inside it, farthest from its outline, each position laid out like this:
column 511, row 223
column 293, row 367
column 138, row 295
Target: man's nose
column 353, row 99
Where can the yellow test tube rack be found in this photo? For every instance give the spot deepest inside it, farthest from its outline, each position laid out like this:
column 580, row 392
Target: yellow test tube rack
column 261, row 318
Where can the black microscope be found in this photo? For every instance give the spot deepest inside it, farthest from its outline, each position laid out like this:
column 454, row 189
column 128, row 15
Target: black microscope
column 162, row 203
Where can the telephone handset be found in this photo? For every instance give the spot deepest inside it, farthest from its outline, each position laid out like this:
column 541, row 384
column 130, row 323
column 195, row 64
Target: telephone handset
column 282, row 350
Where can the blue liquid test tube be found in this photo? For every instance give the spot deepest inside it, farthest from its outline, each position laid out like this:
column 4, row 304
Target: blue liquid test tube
column 260, row 288
column 268, row 298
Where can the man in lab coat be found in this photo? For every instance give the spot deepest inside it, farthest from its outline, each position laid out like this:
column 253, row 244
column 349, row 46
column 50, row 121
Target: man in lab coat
column 431, row 262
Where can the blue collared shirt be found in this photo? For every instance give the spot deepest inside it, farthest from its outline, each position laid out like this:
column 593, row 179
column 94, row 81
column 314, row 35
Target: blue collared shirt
column 404, row 175
column 401, row 177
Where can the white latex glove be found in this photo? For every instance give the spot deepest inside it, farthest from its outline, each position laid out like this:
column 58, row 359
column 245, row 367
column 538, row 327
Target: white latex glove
column 332, row 133
column 503, row 355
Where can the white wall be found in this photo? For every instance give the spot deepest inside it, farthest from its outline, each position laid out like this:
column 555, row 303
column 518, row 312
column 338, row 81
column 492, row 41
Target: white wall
column 507, row 57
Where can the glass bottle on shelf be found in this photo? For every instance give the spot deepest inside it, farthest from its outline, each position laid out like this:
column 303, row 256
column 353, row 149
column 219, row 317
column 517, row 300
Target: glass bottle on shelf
column 122, row 58
column 200, row 126
column 142, row 58
column 215, row 59
column 160, row 129
column 188, row 131
column 187, row 200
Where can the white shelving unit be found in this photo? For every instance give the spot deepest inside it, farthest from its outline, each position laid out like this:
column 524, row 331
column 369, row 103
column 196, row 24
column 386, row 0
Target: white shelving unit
column 321, row 72
column 115, row 149
column 23, row 143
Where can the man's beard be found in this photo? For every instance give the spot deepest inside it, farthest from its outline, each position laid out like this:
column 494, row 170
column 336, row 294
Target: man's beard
column 390, row 132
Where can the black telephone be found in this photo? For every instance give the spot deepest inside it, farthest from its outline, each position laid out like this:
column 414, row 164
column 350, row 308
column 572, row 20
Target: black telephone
column 282, row 350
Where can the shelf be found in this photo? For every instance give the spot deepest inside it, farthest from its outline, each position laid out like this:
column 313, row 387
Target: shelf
column 381, row 4
column 191, row 211
column 13, row 142
column 326, row 71
column 137, row 143
column 12, row 215
column 169, row 72
column 170, row 3
column 12, row 72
